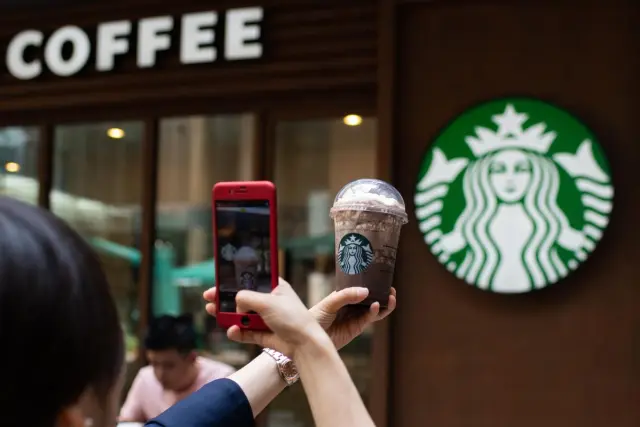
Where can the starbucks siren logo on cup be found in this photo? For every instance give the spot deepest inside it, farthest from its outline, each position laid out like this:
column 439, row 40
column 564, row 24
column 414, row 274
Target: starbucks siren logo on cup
column 355, row 253
column 368, row 215
column 513, row 195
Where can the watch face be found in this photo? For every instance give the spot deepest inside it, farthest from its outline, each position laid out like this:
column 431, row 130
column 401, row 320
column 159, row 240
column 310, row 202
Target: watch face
column 289, row 370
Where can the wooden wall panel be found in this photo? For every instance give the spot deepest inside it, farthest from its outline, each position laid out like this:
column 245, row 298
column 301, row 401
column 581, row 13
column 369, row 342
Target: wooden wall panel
column 311, row 46
column 566, row 356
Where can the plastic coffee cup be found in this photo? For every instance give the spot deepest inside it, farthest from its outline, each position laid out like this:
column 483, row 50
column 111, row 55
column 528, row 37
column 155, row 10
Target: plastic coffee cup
column 246, row 263
column 368, row 215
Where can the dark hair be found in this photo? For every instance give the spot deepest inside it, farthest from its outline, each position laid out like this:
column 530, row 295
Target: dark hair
column 59, row 328
column 171, row 333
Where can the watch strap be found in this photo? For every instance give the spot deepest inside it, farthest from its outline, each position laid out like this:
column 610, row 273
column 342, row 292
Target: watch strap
column 286, row 367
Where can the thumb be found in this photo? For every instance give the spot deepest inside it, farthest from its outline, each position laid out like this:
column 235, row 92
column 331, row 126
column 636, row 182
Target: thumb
column 246, row 336
column 210, row 294
column 252, row 301
column 336, row 300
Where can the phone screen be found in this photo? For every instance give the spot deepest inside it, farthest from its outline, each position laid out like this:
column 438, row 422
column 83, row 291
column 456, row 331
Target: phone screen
column 244, row 243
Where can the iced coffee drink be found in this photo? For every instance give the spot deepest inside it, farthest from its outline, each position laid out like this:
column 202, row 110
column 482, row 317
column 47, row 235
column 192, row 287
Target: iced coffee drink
column 246, row 262
column 368, row 215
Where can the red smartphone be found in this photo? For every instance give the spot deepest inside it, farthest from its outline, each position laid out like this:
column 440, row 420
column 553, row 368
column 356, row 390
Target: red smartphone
column 245, row 246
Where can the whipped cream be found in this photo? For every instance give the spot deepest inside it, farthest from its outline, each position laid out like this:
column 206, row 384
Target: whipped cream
column 357, row 197
column 368, row 192
column 370, row 195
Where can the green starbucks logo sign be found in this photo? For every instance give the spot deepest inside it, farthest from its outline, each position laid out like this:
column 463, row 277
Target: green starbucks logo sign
column 355, row 253
column 513, row 195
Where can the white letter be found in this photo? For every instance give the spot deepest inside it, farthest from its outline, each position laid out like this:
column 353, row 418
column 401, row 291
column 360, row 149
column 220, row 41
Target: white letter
column 15, row 55
column 111, row 43
column 195, row 34
column 239, row 32
column 81, row 50
column 150, row 39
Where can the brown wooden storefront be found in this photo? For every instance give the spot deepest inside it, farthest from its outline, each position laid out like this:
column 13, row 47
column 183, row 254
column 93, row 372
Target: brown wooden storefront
column 451, row 355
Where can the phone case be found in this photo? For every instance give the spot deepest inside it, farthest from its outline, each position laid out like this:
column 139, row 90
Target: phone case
column 246, row 190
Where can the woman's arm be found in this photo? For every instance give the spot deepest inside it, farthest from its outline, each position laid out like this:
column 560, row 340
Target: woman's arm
column 260, row 381
column 334, row 399
column 248, row 391
column 221, row 403
column 234, row 401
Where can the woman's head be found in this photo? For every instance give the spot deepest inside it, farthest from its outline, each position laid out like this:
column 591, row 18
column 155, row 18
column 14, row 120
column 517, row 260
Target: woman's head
column 62, row 346
column 510, row 172
column 353, row 250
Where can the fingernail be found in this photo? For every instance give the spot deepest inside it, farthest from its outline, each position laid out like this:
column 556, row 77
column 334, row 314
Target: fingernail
column 362, row 292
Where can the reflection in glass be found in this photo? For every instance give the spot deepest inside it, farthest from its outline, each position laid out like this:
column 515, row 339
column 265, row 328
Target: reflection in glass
column 97, row 189
column 19, row 163
column 314, row 160
column 195, row 153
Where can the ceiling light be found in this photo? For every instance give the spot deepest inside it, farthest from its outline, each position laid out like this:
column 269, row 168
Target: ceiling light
column 352, row 120
column 115, row 133
column 12, row 167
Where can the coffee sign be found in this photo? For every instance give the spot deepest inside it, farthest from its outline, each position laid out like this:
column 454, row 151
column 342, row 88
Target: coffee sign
column 197, row 42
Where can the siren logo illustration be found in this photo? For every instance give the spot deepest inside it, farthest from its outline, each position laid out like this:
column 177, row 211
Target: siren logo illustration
column 228, row 252
column 247, row 281
column 354, row 253
column 513, row 195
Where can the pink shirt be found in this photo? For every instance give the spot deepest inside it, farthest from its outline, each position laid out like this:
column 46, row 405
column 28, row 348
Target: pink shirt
column 147, row 399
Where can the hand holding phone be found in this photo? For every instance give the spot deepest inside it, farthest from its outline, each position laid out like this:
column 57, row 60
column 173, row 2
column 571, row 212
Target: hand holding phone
column 245, row 246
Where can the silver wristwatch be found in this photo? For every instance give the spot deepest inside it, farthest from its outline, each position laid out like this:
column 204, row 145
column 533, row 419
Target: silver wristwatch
column 286, row 367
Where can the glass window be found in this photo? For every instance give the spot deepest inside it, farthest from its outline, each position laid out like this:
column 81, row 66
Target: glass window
column 195, row 153
column 19, row 163
column 314, row 159
column 97, row 186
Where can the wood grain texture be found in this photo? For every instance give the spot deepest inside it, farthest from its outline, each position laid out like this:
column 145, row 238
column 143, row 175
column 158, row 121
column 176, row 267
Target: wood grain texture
column 566, row 356
column 382, row 360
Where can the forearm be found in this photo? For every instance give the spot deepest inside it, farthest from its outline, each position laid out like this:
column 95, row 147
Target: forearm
column 260, row 381
column 220, row 403
column 334, row 399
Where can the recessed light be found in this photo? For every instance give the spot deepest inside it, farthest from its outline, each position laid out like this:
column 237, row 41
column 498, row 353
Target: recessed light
column 12, row 167
column 115, row 133
column 352, row 120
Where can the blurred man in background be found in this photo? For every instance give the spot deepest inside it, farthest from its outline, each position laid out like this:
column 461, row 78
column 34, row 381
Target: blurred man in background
column 175, row 370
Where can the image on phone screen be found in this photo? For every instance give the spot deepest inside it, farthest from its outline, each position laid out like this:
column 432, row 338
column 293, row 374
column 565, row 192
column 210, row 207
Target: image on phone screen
column 243, row 249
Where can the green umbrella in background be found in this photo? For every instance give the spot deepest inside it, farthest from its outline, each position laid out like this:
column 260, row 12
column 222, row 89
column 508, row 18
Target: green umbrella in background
column 168, row 279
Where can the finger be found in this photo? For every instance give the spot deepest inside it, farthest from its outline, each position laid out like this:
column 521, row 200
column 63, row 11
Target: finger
column 245, row 336
column 374, row 311
column 391, row 305
column 234, row 333
column 338, row 299
column 210, row 294
column 252, row 301
column 281, row 281
column 372, row 314
column 283, row 288
column 211, row 309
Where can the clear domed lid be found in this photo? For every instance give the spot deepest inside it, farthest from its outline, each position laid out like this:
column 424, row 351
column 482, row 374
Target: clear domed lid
column 371, row 195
